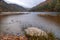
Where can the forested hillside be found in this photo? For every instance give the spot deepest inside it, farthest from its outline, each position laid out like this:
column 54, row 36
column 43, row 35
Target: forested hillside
column 49, row 5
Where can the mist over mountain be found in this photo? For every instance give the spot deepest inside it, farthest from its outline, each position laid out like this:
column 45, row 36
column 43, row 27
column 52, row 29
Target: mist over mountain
column 45, row 6
column 4, row 7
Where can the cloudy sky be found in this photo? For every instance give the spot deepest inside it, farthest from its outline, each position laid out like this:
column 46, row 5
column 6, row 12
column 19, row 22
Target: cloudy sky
column 25, row 3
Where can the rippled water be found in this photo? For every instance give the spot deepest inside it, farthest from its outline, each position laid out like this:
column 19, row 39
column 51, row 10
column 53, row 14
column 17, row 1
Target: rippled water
column 15, row 23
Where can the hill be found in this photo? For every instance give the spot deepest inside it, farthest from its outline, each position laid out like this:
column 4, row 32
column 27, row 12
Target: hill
column 4, row 7
column 47, row 6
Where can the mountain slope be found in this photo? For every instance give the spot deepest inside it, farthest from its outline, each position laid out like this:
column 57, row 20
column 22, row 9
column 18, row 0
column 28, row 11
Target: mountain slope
column 48, row 5
column 4, row 7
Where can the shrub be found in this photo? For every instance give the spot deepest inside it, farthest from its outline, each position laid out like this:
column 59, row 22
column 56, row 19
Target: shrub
column 33, row 33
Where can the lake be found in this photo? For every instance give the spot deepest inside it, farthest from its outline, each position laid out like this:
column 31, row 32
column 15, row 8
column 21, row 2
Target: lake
column 14, row 23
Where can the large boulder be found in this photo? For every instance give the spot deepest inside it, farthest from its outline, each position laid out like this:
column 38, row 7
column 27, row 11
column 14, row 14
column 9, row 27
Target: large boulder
column 34, row 31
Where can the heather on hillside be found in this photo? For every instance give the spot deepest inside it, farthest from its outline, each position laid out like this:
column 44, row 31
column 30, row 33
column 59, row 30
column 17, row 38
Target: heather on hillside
column 53, row 5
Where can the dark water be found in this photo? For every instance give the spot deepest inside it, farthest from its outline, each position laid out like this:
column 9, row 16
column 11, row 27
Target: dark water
column 15, row 23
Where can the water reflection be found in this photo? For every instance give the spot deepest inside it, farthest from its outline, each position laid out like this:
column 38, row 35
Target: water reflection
column 15, row 23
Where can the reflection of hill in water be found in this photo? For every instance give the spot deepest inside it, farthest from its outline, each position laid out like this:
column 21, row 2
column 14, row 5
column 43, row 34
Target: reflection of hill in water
column 55, row 19
column 10, row 7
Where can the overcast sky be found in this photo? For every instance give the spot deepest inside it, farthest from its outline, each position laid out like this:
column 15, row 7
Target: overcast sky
column 25, row 3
